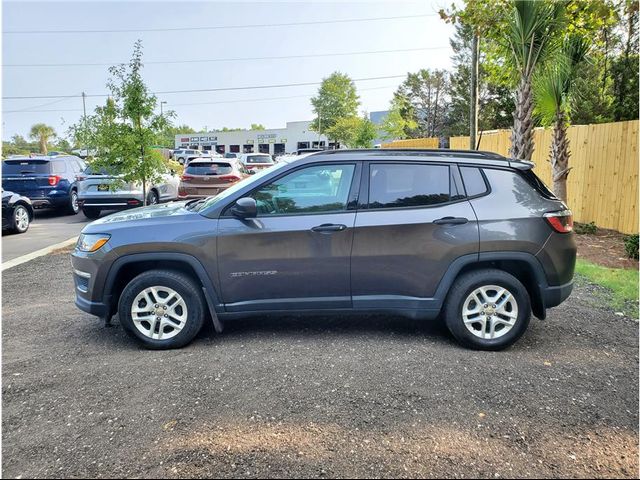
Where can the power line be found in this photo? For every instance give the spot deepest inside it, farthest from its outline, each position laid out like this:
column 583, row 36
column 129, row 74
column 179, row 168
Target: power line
column 212, row 60
column 197, row 103
column 218, row 27
column 200, row 90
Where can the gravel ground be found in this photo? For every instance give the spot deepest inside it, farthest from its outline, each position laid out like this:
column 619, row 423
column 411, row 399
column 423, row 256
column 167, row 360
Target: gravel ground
column 313, row 397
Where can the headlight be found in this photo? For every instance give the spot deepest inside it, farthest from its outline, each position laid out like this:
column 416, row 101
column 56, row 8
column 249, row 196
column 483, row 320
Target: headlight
column 91, row 243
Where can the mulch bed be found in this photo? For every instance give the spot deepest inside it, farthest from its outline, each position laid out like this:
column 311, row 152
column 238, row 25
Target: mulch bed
column 606, row 248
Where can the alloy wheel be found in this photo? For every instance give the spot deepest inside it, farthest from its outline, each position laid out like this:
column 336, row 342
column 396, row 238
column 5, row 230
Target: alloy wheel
column 490, row 312
column 21, row 218
column 159, row 312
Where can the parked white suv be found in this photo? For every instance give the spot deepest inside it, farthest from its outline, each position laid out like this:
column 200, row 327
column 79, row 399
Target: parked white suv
column 184, row 156
column 96, row 192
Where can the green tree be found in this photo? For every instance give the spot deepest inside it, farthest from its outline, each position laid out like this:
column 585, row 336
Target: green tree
column 257, row 126
column 124, row 130
column 552, row 91
column 42, row 133
column 424, row 100
column 366, row 133
column 344, row 130
column 396, row 126
column 533, row 27
column 168, row 135
column 337, row 98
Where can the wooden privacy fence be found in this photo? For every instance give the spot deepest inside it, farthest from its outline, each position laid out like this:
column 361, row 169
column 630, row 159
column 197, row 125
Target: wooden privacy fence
column 603, row 182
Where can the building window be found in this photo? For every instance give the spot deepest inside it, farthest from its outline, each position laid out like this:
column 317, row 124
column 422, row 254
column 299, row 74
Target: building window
column 263, row 148
column 303, row 145
column 246, row 148
column 234, row 148
column 220, row 149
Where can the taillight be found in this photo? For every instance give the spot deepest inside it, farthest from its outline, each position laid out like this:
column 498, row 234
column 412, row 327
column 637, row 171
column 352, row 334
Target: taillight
column 561, row 222
column 229, row 178
column 186, row 177
column 54, row 179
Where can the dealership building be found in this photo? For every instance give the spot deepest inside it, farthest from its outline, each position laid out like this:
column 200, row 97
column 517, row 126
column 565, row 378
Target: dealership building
column 275, row 141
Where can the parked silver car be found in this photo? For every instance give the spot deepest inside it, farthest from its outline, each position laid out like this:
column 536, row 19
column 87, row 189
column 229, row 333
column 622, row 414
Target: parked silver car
column 97, row 192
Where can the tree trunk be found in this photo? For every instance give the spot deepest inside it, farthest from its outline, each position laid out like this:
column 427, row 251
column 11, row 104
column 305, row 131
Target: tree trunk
column 522, row 131
column 43, row 145
column 144, row 191
column 560, row 157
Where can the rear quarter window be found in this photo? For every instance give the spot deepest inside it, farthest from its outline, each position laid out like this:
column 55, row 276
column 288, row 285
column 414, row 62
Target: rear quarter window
column 474, row 181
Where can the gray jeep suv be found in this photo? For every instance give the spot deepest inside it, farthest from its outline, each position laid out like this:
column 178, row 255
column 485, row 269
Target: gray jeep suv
column 470, row 237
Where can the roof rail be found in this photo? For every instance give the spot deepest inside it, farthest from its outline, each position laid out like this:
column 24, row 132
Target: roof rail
column 420, row 151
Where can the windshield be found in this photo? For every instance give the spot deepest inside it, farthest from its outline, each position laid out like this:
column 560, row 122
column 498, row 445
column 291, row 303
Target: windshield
column 240, row 185
column 258, row 159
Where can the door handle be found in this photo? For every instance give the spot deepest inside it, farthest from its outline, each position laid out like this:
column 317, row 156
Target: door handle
column 329, row 227
column 451, row 221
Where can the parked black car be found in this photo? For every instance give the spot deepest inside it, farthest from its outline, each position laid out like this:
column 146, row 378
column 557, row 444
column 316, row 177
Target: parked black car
column 17, row 212
column 49, row 181
column 472, row 238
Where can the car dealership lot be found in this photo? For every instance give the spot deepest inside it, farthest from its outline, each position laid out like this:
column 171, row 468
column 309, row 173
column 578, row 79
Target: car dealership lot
column 334, row 397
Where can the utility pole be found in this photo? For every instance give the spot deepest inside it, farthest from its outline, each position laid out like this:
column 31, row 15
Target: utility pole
column 84, row 121
column 161, row 103
column 473, row 97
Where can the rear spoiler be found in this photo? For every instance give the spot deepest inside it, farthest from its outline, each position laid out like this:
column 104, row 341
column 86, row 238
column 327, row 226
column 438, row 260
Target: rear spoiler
column 521, row 164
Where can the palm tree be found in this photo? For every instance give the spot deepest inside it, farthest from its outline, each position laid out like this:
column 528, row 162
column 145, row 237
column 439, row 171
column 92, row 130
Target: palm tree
column 42, row 133
column 531, row 32
column 552, row 93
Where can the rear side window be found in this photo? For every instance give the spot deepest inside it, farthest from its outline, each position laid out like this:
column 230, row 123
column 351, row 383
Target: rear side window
column 533, row 180
column 25, row 166
column 209, row 169
column 474, row 182
column 393, row 185
column 58, row 166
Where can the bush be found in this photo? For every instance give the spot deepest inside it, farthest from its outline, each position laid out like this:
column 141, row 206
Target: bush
column 583, row 228
column 631, row 246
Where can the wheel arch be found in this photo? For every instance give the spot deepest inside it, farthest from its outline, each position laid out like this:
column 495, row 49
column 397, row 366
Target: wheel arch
column 26, row 205
column 524, row 266
column 126, row 268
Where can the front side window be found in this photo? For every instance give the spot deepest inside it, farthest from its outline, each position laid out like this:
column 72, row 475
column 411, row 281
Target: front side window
column 314, row 189
column 405, row 185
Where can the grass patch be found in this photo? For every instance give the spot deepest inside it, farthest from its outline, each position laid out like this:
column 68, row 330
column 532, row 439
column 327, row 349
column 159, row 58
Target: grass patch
column 622, row 282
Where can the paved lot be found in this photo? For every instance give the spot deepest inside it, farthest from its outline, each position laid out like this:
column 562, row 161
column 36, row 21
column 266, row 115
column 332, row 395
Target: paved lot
column 372, row 397
column 48, row 228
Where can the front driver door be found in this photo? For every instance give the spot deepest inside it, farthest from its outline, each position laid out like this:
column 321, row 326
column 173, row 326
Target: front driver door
column 296, row 253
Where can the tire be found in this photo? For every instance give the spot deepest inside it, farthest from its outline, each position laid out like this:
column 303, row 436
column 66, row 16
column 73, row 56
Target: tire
column 186, row 310
column 152, row 198
column 181, row 161
column 20, row 219
column 73, row 208
column 91, row 212
column 510, row 318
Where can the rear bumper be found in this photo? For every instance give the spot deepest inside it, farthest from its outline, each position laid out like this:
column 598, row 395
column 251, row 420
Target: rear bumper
column 110, row 203
column 554, row 296
column 49, row 202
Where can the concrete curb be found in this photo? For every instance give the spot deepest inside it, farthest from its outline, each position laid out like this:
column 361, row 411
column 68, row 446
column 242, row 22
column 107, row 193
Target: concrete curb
column 38, row 253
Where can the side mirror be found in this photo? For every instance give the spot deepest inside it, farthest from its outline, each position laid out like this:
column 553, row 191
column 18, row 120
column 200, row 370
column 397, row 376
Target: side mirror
column 245, row 207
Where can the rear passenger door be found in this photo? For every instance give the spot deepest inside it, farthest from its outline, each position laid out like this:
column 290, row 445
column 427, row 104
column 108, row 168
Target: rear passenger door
column 413, row 221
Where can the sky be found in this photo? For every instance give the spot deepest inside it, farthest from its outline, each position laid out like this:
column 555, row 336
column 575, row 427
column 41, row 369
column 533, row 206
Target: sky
column 178, row 36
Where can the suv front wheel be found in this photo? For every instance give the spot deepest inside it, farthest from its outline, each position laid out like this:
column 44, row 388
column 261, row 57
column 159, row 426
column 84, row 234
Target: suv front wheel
column 487, row 309
column 162, row 309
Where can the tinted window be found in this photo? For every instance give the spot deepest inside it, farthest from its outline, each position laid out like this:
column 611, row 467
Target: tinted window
column 26, row 166
column 319, row 188
column 473, row 180
column 405, row 185
column 209, row 169
column 258, row 159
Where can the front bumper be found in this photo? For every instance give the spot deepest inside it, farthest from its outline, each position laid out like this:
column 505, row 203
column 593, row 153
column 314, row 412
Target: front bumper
column 89, row 273
column 98, row 309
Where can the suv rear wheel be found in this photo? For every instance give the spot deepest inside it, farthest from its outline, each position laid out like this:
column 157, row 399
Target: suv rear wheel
column 162, row 309
column 73, row 208
column 487, row 309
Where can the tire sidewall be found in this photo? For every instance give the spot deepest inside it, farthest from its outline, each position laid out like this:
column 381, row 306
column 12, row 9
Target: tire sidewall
column 91, row 213
column 182, row 284
column 73, row 210
column 15, row 220
column 152, row 194
column 467, row 284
